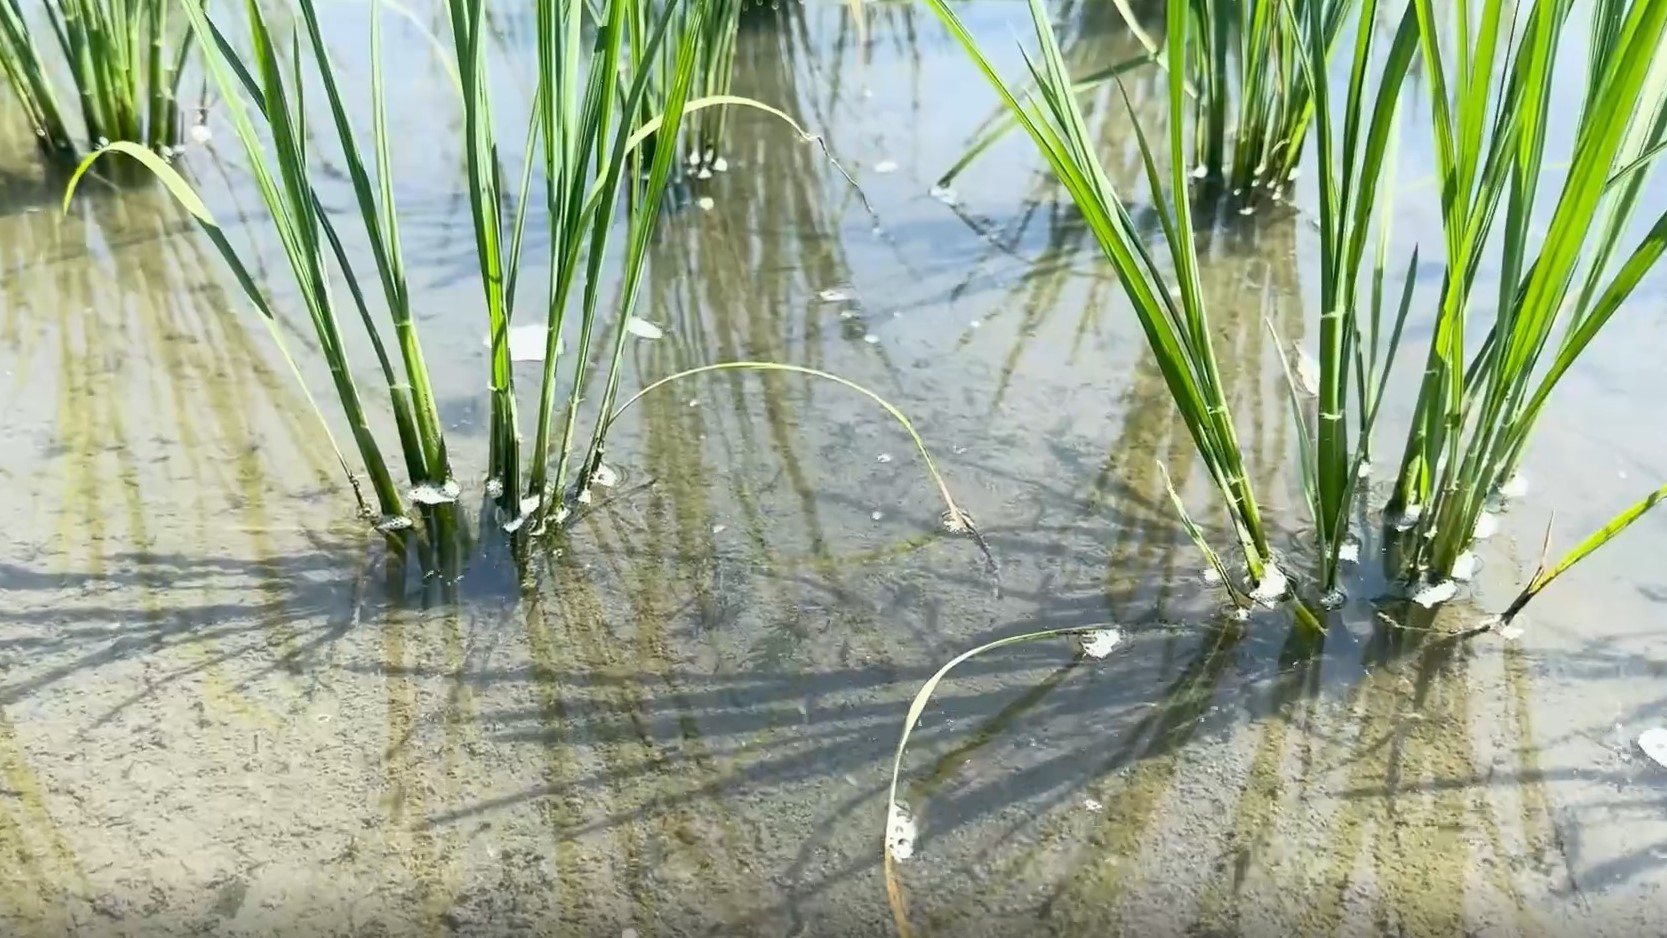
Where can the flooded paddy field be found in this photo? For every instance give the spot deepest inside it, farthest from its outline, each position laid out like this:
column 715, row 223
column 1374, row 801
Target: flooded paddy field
column 222, row 711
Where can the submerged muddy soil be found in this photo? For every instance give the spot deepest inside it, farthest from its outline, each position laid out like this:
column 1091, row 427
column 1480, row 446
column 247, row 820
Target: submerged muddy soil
column 220, row 713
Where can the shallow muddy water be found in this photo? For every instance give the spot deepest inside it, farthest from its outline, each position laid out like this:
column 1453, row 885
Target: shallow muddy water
column 220, row 715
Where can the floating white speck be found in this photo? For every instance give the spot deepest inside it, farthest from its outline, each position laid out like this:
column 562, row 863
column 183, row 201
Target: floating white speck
column 721, row 165
column 834, row 295
column 526, row 342
column 430, row 494
column 1654, row 743
column 886, row 166
column 1465, row 566
column 1514, row 487
column 1097, row 643
column 1409, row 516
column 883, row 457
column 871, row 339
column 900, row 832
column 974, row 324
column 704, row 174
column 705, row 202
column 605, row 476
column 943, row 194
column 1365, row 470
column 1308, row 372
column 1248, row 210
column 494, row 488
column 1272, row 586
column 1093, row 804
column 877, row 515
column 1333, row 599
column 1199, row 172
column 694, row 402
column 200, row 134
column 1433, row 594
column 1212, row 576
column 719, row 528
column 584, row 497
column 1349, row 550
column 390, row 523
column 643, row 329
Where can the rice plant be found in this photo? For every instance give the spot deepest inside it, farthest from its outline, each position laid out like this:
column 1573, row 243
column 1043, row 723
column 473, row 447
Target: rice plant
column 1479, row 401
column 123, row 60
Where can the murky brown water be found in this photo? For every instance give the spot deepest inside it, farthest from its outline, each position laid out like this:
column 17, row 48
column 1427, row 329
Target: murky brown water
column 217, row 716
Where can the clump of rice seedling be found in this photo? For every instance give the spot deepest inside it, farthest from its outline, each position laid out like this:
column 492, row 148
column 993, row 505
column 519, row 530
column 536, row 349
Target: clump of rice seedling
column 123, row 60
column 1479, row 402
column 1175, row 320
column 589, row 131
column 1255, row 102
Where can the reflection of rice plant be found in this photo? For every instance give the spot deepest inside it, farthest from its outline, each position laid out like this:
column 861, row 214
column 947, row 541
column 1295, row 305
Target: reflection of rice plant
column 124, row 59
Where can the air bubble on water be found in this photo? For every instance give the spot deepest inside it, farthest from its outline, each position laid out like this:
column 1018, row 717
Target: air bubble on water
column 1248, row 210
column 706, row 203
column 1272, row 586
column 900, row 832
column 883, row 457
column 886, row 166
column 1097, row 643
column 1349, row 550
column 643, row 329
column 605, row 476
column 871, row 339
column 693, row 159
column 1654, row 743
column 1237, row 193
column 200, row 134
column 494, row 488
column 834, row 295
column 1433, row 594
column 1333, row 599
column 1514, row 487
column 391, row 523
column 944, row 194
column 1465, row 566
column 526, row 342
column 694, row 402
column 1308, row 372
column 877, row 515
column 430, row 494
column 974, row 324
column 1408, row 517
